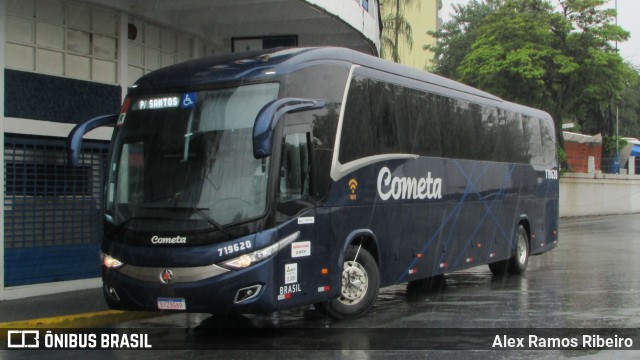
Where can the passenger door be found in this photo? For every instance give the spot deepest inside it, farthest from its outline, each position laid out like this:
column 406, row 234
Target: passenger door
column 299, row 265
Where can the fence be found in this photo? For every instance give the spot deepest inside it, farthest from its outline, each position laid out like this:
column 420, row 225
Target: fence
column 52, row 220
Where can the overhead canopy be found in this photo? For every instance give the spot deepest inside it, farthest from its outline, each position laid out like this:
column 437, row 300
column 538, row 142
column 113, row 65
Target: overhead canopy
column 220, row 21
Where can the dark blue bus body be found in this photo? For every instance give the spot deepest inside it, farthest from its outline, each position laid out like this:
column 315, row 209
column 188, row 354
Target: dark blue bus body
column 414, row 174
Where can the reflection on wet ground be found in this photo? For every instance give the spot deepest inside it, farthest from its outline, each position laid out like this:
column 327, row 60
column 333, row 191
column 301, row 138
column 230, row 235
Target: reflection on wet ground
column 590, row 281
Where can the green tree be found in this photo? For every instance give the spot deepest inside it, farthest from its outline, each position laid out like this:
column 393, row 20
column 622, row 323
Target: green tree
column 630, row 107
column 395, row 27
column 603, row 76
column 455, row 37
column 628, row 102
column 526, row 51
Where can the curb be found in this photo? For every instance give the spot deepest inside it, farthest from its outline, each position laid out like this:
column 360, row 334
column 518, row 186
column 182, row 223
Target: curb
column 84, row 320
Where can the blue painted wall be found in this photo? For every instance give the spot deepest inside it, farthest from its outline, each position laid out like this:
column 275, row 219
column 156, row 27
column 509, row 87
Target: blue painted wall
column 52, row 98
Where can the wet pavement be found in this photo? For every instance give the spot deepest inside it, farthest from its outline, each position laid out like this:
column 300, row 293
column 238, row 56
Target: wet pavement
column 589, row 285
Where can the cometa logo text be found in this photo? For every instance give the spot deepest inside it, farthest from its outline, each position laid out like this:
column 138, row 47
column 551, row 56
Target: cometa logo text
column 408, row 187
column 168, row 240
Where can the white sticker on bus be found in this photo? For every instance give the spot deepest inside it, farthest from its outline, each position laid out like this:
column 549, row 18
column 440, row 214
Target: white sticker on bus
column 306, row 220
column 300, row 249
column 408, row 187
column 291, row 273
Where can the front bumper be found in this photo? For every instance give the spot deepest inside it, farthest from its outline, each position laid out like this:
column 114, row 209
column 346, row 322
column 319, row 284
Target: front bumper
column 135, row 289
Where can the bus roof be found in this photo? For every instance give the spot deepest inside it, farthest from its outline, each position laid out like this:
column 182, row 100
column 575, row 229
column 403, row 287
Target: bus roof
column 265, row 64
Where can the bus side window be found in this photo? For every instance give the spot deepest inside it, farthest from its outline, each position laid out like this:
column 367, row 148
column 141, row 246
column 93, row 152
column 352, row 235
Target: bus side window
column 295, row 170
column 548, row 142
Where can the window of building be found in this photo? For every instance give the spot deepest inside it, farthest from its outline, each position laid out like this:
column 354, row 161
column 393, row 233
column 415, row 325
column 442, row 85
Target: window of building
column 151, row 47
column 63, row 39
column 264, row 42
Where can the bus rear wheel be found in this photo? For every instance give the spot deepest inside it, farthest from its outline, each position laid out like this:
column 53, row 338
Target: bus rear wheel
column 360, row 285
column 518, row 263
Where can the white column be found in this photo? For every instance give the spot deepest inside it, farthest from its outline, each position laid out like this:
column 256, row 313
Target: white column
column 3, row 41
column 591, row 164
column 632, row 165
column 123, row 54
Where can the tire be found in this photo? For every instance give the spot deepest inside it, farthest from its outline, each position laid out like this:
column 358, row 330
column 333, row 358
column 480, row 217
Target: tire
column 518, row 263
column 360, row 285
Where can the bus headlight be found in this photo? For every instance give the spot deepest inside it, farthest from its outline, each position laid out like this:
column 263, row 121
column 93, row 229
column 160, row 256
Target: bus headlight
column 110, row 262
column 246, row 260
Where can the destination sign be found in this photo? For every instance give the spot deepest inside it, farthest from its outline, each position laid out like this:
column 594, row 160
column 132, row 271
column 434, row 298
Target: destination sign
column 157, row 103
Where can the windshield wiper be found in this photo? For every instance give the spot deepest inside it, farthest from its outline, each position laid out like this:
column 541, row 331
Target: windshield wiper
column 211, row 221
column 124, row 223
column 199, row 211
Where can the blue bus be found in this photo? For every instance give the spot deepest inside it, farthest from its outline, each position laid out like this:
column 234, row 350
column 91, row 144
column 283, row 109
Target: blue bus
column 264, row 181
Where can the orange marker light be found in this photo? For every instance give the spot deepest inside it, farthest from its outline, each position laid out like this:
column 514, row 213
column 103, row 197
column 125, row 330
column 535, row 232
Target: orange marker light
column 324, row 271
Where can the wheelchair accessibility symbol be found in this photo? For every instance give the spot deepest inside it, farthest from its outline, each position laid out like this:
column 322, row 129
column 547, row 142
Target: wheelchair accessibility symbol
column 188, row 100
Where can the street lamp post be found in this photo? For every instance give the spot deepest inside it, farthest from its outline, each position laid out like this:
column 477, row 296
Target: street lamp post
column 617, row 160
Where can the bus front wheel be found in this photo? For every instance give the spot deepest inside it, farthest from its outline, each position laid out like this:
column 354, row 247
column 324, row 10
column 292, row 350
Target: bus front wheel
column 518, row 263
column 360, row 285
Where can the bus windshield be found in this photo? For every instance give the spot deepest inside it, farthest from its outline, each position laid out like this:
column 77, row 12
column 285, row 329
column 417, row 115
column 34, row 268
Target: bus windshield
column 185, row 161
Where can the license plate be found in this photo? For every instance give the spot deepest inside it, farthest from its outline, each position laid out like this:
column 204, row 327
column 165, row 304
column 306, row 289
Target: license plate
column 172, row 304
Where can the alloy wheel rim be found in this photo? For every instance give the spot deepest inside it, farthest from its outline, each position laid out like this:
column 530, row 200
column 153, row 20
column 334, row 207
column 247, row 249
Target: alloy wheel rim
column 355, row 283
column 522, row 249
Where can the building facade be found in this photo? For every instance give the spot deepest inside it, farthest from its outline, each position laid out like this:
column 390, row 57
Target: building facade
column 423, row 16
column 66, row 61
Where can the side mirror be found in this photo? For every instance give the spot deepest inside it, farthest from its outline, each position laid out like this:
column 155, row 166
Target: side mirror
column 74, row 140
column 270, row 115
